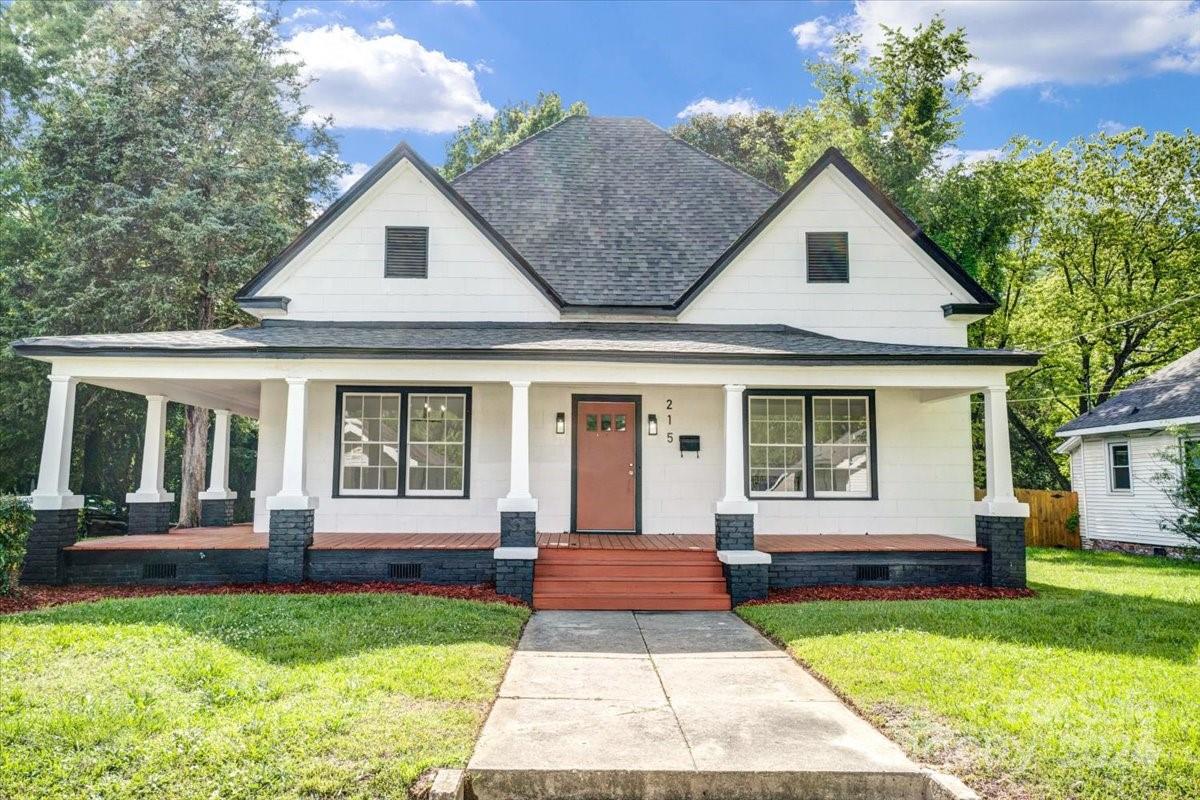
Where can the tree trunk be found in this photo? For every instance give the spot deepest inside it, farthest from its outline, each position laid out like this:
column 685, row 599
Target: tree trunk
column 1039, row 448
column 195, row 458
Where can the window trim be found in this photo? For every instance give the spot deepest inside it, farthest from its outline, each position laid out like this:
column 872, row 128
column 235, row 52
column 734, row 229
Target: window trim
column 404, row 391
column 810, row 493
column 1184, row 441
column 1108, row 449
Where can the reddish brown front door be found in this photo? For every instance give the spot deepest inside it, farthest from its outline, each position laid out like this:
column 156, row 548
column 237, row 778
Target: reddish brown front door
column 606, row 468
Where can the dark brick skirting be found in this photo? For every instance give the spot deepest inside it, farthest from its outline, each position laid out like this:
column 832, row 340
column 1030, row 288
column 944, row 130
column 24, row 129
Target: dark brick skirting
column 51, row 532
column 1137, row 549
column 435, row 566
column 290, row 535
column 1004, row 538
column 154, row 567
column 746, row 581
column 518, row 528
column 735, row 531
column 514, row 577
column 149, row 517
column 904, row 569
column 217, row 513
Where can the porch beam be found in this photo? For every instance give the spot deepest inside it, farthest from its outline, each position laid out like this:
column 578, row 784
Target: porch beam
column 151, row 488
column 53, row 492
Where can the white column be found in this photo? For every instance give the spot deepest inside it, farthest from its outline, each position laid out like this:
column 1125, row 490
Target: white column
column 154, row 455
column 53, row 491
column 1001, row 500
column 291, row 493
column 518, row 497
column 734, row 501
column 218, row 482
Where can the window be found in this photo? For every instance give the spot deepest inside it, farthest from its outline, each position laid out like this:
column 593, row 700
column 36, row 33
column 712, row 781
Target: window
column 810, row 445
column 1120, row 474
column 402, row 442
column 1191, row 458
column 828, row 257
column 406, row 253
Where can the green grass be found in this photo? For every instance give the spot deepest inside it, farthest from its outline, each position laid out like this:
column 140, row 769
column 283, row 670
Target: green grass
column 288, row 696
column 1089, row 690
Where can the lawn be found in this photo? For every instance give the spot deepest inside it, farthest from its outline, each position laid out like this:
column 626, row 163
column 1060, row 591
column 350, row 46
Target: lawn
column 240, row 696
column 1089, row 690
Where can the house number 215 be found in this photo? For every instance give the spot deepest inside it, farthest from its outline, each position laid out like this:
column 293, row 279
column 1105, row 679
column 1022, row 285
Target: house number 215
column 670, row 434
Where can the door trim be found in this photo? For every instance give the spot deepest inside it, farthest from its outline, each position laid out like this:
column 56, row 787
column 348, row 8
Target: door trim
column 636, row 399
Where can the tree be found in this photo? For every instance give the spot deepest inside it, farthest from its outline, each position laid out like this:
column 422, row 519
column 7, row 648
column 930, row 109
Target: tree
column 175, row 162
column 481, row 138
column 759, row 144
column 1179, row 480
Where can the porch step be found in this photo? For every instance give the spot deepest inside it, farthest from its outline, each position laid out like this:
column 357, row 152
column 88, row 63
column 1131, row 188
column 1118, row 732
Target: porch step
column 629, row 580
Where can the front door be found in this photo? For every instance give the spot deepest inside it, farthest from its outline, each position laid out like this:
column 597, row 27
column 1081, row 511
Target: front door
column 606, row 464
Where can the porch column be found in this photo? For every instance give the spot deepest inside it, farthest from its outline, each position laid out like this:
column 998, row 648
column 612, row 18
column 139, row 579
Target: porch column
column 292, row 512
column 746, row 569
column 999, row 517
column 55, row 509
column 517, row 552
column 216, row 502
column 150, row 505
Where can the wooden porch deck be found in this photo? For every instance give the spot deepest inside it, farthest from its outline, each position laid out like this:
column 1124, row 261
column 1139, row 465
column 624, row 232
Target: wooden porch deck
column 242, row 537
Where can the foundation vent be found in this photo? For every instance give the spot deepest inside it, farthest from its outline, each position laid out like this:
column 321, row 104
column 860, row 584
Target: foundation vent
column 404, row 571
column 160, row 571
column 872, row 572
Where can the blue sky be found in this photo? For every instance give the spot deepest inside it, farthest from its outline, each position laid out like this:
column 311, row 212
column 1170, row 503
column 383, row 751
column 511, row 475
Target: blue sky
column 389, row 71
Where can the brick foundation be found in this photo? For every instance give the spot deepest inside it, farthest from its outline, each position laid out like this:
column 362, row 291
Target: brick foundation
column 149, row 517
column 1137, row 549
column 216, row 513
column 291, row 533
column 746, row 581
column 789, row 570
column 735, row 531
column 435, row 566
column 518, row 528
column 1004, row 538
column 149, row 567
column 514, row 577
column 51, row 532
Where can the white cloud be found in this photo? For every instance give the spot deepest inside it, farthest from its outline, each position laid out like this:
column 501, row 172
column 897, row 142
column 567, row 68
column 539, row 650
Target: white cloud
column 384, row 24
column 1075, row 42
column 302, row 12
column 1048, row 94
column 815, row 33
column 1111, row 127
column 467, row 3
column 386, row 82
column 721, row 108
column 357, row 170
column 953, row 156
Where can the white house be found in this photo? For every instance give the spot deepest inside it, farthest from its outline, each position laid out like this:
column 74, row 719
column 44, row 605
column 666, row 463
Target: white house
column 1121, row 460
column 600, row 331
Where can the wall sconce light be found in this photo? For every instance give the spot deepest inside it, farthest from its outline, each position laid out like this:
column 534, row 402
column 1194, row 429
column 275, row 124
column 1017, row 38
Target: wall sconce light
column 652, row 425
column 560, row 422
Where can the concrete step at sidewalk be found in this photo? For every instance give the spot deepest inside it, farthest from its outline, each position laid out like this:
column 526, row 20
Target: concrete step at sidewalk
column 628, row 601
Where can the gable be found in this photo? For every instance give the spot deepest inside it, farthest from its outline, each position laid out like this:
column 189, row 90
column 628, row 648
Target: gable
column 336, row 269
column 896, row 289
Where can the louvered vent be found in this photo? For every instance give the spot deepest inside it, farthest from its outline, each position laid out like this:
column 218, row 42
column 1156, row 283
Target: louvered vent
column 872, row 572
column 404, row 571
column 407, row 253
column 159, row 570
column 828, row 257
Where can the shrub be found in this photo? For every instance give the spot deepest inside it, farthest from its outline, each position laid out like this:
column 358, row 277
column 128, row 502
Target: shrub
column 1073, row 522
column 16, row 519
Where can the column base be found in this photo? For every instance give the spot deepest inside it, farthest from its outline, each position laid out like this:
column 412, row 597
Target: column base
column 747, row 574
column 216, row 513
column 735, row 531
column 1004, row 539
column 149, row 517
column 290, row 535
column 514, row 576
column 53, row 529
column 518, row 528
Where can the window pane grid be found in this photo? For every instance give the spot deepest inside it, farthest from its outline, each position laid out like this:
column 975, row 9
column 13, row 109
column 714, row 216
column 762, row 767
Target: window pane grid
column 436, row 443
column 841, row 446
column 776, row 446
column 370, row 443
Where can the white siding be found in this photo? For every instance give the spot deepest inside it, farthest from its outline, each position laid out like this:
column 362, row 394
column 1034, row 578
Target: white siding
column 1124, row 516
column 340, row 275
column 895, row 292
column 924, row 468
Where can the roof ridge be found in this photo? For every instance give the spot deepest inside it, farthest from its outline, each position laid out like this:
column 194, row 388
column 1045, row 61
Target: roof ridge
column 508, row 150
column 720, row 161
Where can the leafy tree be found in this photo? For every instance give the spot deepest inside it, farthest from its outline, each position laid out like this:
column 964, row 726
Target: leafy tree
column 480, row 139
column 759, row 144
column 1179, row 480
column 175, row 162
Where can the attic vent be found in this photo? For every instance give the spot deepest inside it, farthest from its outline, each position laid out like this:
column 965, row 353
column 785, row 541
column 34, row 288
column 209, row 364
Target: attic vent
column 872, row 572
column 407, row 253
column 410, row 571
column 159, row 570
column 828, row 257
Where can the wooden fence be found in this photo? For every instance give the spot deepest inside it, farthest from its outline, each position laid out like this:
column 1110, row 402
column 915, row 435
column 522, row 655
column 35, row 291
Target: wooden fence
column 1048, row 514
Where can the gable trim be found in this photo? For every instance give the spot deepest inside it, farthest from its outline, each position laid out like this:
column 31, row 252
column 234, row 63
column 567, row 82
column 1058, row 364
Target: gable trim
column 833, row 157
column 246, row 296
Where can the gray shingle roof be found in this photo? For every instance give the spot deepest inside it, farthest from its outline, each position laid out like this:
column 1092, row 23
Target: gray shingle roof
column 614, row 211
column 1170, row 393
column 656, row 342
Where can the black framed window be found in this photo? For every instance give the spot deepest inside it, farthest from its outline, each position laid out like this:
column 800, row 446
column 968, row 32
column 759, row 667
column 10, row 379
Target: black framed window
column 827, row 257
column 1120, row 472
column 810, row 444
column 402, row 441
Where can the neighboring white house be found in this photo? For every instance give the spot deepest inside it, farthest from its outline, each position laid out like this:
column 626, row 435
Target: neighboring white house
column 1121, row 460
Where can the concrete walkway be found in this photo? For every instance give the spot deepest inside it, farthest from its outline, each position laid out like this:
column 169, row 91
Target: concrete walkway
column 616, row 705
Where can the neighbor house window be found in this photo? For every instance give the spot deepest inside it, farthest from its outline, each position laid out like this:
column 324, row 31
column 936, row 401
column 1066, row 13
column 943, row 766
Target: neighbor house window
column 1191, row 458
column 1119, row 470
column 827, row 257
column 403, row 442
column 810, row 445
column 406, row 253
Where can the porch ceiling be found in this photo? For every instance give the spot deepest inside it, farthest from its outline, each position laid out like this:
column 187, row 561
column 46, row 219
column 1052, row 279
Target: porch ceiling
column 239, row 397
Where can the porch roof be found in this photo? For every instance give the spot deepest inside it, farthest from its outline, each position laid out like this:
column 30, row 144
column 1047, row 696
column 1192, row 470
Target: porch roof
column 597, row 341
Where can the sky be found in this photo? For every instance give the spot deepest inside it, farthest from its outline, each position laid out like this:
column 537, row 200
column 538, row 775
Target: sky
column 415, row 71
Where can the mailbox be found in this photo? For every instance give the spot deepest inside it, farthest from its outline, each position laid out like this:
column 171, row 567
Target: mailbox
column 689, row 444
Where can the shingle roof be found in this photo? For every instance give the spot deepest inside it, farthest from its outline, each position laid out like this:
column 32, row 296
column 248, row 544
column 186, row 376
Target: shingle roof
column 1171, row 393
column 656, row 342
column 614, row 211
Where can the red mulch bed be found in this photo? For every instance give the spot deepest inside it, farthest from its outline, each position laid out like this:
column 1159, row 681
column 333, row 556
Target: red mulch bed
column 812, row 594
column 29, row 598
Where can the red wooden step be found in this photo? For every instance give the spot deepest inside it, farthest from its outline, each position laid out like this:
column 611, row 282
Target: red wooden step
column 631, row 602
column 562, row 555
column 635, row 586
column 643, row 569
